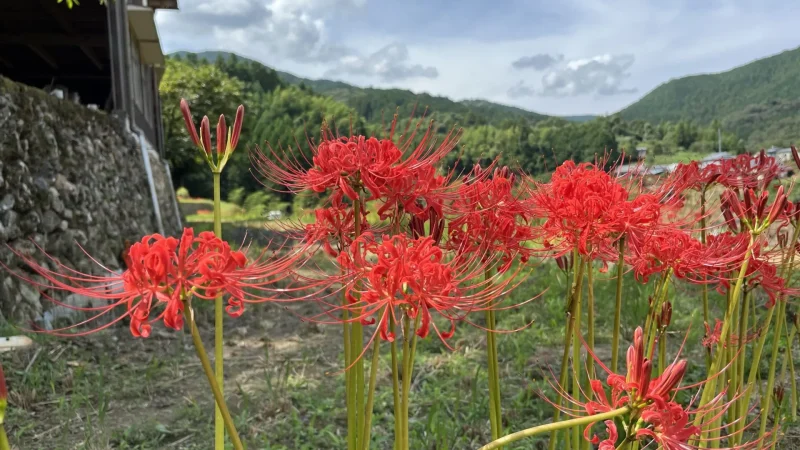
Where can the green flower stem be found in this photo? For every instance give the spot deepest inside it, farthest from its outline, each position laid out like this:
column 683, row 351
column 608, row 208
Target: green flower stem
column 398, row 420
column 555, row 426
column 738, row 384
column 219, row 347
column 590, row 315
column 4, row 445
column 651, row 327
column 755, row 363
column 704, row 286
column 710, row 389
column 212, row 381
column 373, row 375
column 490, row 353
column 348, row 377
column 576, row 363
column 409, row 349
column 356, row 348
column 662, row 351
column 779, row 412
column 495, row 414
column 793, row 380
column 575, row 293
column 766, row 401
column 618, row 308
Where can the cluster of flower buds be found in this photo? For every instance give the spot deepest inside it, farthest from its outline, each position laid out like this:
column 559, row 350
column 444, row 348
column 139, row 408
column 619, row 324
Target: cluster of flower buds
column 753, row 213
column 227, row 139
column 436, row 224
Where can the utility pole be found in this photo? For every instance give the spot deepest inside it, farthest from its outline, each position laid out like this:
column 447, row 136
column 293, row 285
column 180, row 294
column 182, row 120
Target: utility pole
column 719, row 140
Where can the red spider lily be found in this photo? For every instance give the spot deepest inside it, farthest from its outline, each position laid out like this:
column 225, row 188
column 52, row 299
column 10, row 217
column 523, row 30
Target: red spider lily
column 745, row 171
column 635, row 389
column 334, row 225
column 653, row 412
column 414, row 190
column 162, row 273
column 348, row 164
column 490, row 218
column 413, row 276
column 605, row 444
column 712, row 337
column 671, row 427
column 585, row 208
column 688, row 258
column 762, row 271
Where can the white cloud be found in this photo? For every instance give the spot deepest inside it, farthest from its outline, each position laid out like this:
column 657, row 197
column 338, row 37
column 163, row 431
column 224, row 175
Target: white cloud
column 539, row 61
column 293, row 31
column 666, row 40
column 391, row 63
column 602, row 74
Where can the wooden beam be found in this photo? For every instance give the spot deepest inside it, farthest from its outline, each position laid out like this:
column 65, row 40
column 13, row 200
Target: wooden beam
column 60, row 76
column 42, row 53
column 92, row 57
column 55, row 39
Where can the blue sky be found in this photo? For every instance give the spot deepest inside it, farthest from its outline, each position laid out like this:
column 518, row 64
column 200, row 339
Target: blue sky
column 555, row 57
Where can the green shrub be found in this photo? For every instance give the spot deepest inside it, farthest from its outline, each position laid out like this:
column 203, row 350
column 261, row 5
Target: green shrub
column 182, row 192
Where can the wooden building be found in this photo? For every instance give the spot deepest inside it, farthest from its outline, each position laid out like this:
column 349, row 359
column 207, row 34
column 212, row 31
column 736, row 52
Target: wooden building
column 108, row 55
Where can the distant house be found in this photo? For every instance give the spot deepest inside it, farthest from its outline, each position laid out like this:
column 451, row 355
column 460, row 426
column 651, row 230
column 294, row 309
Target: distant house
column 641, row 153
column 780, row 154
column 105, row 55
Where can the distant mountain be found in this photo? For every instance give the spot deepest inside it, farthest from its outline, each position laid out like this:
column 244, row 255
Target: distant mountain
column 750, row 97
column 580, row 118
column 373, row 102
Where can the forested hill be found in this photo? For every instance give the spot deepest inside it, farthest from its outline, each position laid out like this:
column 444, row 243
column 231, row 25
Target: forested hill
column 758, row 101
column 371, row 103
column 285, row 112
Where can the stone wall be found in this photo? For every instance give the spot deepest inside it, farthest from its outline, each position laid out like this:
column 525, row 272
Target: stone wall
column 69, row 176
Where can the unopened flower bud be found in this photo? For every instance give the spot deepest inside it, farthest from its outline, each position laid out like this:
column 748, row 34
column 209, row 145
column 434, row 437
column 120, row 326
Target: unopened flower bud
column 437, row 228
column 205, row 134
column 778, row 391
column 777, row 206
column 237, row 127
column 733, row 203
column 417, row 227
column 222, row 135
column 187, row 119
column 666, row 315
column 796, row 156
column 761, row 204
column 749, row 202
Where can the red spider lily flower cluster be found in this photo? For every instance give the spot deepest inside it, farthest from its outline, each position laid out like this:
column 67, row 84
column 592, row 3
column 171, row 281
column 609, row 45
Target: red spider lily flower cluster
column 586, row 209
column 676, row 250
column 399, row 274
column 333, row 226
column 162, row 274
column 347, row 165
column 490, row 219
column 653, row 412
column 743, row 172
